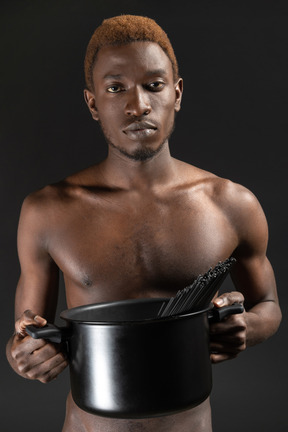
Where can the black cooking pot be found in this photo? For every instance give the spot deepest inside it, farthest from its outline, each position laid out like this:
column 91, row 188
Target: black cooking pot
column 127, row 363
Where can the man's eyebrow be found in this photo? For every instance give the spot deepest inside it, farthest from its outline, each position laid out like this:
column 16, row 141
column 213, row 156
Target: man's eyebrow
column 161, row 72
column 112, row 76
column 156, row 72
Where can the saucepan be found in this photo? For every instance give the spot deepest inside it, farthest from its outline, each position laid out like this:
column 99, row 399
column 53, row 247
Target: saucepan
column 125, row 362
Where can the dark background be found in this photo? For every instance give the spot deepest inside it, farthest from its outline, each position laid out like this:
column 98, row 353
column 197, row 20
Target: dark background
column 233, row 122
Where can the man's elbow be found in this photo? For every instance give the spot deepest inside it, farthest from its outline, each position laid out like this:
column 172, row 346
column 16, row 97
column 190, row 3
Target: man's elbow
column 277, row 316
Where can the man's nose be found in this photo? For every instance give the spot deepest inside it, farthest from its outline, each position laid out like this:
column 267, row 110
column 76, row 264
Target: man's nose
column 138, row 103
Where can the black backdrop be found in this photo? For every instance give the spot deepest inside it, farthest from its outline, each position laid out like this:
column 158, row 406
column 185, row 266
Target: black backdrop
column 233, row 122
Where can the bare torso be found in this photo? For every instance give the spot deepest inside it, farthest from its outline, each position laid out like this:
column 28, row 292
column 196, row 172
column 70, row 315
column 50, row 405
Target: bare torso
column 114, row 244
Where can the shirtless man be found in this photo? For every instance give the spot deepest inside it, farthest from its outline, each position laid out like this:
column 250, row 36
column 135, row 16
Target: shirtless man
column 138, row 224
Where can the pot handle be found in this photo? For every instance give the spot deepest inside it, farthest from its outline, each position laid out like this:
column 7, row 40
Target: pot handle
column 218, row 314
column 49, row 332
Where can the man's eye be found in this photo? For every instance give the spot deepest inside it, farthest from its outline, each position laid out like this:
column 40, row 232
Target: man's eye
column 156, row 86
column 114, row 89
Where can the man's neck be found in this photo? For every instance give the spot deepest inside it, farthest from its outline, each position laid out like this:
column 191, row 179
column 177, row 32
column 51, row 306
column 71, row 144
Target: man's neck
column 121, row 171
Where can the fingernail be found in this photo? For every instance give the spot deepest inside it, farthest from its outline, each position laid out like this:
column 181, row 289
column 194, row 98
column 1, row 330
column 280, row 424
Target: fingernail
column 219, row 302
column 39, row 319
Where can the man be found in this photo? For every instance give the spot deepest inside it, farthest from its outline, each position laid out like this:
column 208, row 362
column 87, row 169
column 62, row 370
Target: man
column 138, row 224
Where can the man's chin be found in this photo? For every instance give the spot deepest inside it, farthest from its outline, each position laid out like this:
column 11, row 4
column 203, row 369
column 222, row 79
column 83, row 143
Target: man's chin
column 140, row 154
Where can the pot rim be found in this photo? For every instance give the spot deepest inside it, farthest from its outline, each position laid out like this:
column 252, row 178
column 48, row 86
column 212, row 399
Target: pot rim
column 67, row 314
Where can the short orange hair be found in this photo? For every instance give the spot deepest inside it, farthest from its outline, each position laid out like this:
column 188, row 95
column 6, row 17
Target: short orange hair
column 124, row 29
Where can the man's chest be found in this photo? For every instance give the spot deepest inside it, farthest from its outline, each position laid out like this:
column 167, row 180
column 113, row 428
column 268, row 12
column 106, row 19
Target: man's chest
column 122, row 254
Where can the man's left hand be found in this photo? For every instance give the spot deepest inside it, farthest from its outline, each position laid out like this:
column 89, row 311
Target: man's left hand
column 228, row 337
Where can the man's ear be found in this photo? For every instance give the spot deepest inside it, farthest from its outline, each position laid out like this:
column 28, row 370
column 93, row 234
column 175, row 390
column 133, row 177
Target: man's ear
column 90, row 101
column 178, row 93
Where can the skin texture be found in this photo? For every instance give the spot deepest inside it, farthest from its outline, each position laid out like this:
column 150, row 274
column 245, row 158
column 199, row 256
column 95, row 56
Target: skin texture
column 139, row 224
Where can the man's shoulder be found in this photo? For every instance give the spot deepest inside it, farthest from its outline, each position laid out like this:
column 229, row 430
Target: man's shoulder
column 61, row 191
column 47, row 195
column 222, row 191
column 239, row 205
column 231, row 197
column 209, row 182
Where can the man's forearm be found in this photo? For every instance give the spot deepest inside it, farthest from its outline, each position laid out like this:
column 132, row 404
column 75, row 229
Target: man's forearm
column 263, row 321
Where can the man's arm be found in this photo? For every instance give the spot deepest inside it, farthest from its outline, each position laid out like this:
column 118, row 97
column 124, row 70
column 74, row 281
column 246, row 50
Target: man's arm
column 36, row 297
column 254, row 280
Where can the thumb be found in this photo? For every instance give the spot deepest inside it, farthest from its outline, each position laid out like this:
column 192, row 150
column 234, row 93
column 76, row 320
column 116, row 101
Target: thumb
column 28, row 318
column 228, row 299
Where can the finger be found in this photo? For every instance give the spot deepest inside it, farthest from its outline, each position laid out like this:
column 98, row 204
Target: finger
column 48, row 370
column 28, row 318
column 24, row 347
column 47, row 352
column 218, row 358
column 51, row 375
column 235, row 340
column 231, row 324
column 228, row 299
column 44, row 353
column 226, row 347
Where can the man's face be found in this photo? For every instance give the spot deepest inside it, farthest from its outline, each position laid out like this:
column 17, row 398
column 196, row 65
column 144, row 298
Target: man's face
column 134, row 98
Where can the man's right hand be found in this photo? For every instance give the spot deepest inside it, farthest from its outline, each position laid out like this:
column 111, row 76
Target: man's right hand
column 35, row 358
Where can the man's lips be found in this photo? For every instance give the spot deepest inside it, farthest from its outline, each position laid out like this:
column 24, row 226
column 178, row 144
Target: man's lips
column 140, row 130
column 139, row 126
